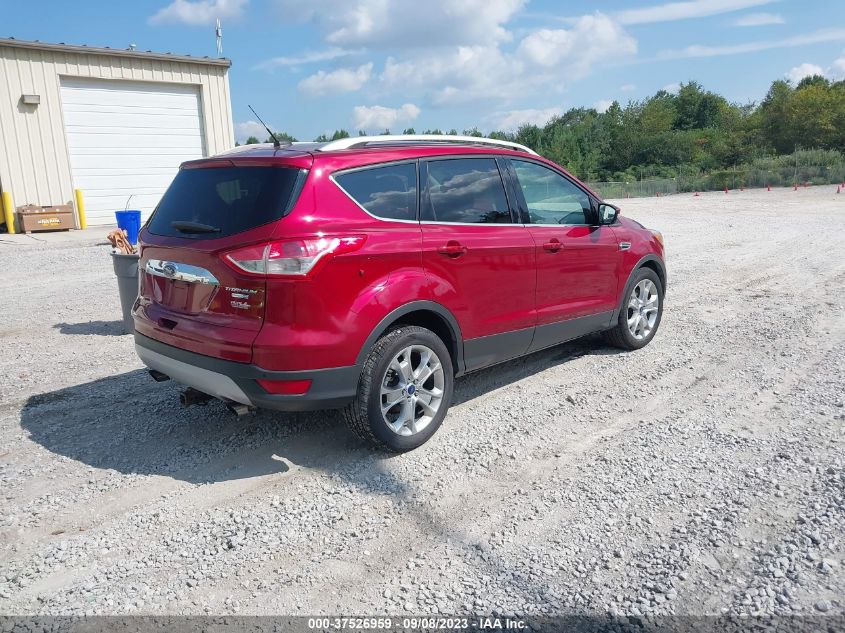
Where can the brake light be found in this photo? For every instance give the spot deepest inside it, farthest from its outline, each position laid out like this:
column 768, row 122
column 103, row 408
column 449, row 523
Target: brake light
column 294, row 258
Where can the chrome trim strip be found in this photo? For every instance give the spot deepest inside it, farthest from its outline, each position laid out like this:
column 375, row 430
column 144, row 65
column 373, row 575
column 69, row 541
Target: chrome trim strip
column 180, row 272
column 624, row 246
column 493, row 224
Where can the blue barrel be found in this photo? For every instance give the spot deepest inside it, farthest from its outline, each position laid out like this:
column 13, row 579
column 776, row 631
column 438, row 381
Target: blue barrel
column 129, row 221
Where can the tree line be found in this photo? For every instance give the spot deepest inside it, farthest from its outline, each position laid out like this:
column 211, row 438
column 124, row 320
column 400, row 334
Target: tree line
column 694, row 135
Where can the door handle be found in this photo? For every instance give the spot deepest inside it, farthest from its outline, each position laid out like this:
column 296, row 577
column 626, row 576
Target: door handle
column 553, row 245
column 452, row 249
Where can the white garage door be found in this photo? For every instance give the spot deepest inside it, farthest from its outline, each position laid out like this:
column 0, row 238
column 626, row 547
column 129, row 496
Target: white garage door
column 128, row 138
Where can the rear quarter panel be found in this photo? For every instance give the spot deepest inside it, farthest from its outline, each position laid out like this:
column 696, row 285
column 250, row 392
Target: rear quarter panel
column 323, row 321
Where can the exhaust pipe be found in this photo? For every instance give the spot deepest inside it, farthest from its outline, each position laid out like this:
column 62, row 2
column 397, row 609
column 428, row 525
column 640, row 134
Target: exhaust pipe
column 192, row 396
column 238, row 408
column 157, row 375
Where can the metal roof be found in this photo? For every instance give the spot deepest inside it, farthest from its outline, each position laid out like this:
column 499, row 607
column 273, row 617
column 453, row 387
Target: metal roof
column 117, row 52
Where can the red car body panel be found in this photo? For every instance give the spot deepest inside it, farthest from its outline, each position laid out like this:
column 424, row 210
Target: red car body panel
column 497, row 279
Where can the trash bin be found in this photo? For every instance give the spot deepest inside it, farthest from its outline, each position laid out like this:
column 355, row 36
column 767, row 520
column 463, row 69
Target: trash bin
column 126, row 270
column 130, row 221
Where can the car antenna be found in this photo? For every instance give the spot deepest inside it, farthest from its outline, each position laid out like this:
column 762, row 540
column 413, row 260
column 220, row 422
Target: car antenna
column 276, row 143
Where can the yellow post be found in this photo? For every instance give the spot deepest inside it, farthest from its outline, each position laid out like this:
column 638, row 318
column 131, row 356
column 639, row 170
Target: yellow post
column 80, row 208
column 9, row 212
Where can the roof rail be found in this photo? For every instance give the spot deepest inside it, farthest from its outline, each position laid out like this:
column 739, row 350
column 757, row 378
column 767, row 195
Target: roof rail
column 363, row 141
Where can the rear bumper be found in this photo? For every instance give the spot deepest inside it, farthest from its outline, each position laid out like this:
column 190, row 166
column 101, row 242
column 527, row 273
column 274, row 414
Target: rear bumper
column 330, row 388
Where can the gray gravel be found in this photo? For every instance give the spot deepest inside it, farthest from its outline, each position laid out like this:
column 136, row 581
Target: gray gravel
column 704, row 474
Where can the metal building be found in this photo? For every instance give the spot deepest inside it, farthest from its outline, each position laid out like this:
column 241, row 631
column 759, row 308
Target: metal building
column 112, row 123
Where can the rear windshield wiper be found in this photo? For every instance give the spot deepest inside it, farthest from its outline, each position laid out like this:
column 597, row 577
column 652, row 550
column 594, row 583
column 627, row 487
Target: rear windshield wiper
column 184, row 226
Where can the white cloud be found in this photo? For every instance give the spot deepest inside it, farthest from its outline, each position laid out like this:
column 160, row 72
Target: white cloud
column 453, row 53
column 837, row 68
column 804, row 70
column 592, row 39
column 310, row 57
column 453, row 75
column 685, row 10
column 545, row 60
column 628, row 88
column 336, row 81
column 602, row 105
column 405, row 23
column 198, row 12
column 759, row 19
column 378, row 118
column 246, row 129
column 698, row 50
column 673, row 88
column 512, row 119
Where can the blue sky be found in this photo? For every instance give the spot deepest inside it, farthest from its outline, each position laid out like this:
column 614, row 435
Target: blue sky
column 311, row 66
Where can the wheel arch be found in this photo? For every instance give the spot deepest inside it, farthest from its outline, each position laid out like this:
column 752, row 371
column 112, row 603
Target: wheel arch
column 648, row 261
column 653, row 262
column 429, row 315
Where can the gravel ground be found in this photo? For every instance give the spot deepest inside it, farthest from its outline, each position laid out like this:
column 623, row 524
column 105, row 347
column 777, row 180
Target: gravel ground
column 704, row 474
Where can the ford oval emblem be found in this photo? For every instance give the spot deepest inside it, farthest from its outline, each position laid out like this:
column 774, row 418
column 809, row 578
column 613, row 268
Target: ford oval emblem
column 169, row 269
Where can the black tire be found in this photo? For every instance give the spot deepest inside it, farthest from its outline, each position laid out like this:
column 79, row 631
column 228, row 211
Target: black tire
column 620, row 335
column 363, row 415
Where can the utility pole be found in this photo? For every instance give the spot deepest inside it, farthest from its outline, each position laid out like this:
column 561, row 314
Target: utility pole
column 219, row 32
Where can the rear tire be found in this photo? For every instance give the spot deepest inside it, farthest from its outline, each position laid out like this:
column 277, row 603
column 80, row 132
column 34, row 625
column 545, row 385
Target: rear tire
column 404, row 391
column 640, row 313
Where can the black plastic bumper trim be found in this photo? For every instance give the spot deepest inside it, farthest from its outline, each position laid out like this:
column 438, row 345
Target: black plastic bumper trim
column 331, row 388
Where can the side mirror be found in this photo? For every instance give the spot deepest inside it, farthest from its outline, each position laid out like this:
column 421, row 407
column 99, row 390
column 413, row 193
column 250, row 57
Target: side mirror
column 608, row 213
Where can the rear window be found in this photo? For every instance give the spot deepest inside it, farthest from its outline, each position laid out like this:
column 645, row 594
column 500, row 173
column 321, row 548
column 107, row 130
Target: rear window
column 229, row 200
column 388, row 192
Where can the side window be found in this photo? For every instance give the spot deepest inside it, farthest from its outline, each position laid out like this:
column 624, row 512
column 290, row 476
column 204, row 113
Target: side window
column 388, row 192
column 551, row 198
column 467, row 190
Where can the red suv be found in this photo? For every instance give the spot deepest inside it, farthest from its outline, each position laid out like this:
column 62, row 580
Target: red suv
column 367, row 273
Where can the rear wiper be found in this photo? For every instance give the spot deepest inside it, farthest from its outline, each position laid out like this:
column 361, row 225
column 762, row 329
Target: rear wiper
column 184, row 226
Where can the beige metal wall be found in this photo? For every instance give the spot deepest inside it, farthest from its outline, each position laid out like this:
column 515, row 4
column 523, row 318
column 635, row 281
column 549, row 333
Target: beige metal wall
column 34, row 163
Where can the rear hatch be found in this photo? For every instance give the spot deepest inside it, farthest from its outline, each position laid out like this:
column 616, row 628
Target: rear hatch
column 190, row 295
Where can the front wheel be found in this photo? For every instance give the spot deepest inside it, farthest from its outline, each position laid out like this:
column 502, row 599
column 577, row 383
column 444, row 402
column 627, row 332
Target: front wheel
column 641, row 312
column 404, row 391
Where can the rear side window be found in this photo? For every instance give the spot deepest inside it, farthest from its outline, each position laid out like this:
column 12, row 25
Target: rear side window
column 219, row 201
column 388, row 192
column 466, row 190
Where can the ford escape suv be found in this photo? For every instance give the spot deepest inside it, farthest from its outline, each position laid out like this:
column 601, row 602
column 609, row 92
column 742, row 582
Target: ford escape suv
column 367, row 273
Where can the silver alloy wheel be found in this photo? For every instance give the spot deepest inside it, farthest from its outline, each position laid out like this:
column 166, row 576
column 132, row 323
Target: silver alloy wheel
column 643, row 306
column 412, row 390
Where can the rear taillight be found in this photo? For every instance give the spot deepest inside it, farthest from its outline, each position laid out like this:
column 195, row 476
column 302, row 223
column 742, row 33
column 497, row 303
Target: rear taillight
column 295, row 258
